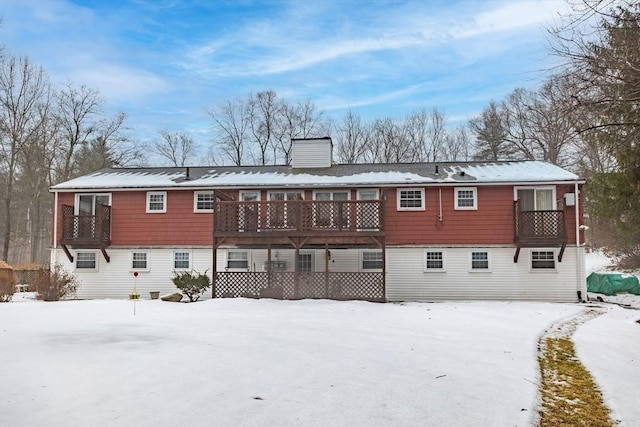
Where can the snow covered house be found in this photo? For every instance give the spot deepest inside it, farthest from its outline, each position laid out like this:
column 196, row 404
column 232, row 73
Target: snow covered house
column 378, row 232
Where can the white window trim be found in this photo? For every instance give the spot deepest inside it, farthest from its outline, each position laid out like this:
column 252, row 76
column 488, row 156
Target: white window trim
column 299, row 192
column 359, row 191
column 97, row 258
column 258, row 192
column 76, row 205
column 371, row 270
column 173, row 260
column 226, row 261
column 475, row 199
column 434, row 270
column 332, row 192
column 420, row 208
column 132, row 268
column 195, row 201
column 543, row 270
column 480, row 270
column 156, row 193
column 537, row 187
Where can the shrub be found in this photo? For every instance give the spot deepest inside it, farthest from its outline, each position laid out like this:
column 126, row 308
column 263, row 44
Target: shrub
column 55, row 284
column 192, row 283
column 8, row 284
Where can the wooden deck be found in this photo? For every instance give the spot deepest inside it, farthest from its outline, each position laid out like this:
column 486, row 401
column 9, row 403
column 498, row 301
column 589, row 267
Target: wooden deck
column 86, row 231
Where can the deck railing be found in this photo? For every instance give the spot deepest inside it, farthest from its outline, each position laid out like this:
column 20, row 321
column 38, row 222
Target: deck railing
column 538, row 227
column 298, row 215
column 301, row 285
column 86, row 230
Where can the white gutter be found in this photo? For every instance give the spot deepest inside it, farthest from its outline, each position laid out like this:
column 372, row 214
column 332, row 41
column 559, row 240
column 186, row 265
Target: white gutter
column 579, row 266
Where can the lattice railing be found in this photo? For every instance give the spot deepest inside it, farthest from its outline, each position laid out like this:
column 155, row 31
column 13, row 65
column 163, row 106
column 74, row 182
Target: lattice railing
column 539, row 226
column 298, row 215
column 301, row 285
column 86, row 229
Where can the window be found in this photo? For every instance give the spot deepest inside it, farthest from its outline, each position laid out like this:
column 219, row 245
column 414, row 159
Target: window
column 433, row 261
column 181, row 260
column 368, row 209
column 203, row 201
column 543, row 260
column 466, row 198
column 372, row 260
column 331, row 212
column 305, row 261
column 238, row 259
column 479, row 261
column 86, row 260
column 157, row 202
column 411, row 199
column 139, row 261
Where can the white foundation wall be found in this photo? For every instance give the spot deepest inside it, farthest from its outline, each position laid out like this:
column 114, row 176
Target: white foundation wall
column 407, row 281
column 340, row 260
column 115, row 279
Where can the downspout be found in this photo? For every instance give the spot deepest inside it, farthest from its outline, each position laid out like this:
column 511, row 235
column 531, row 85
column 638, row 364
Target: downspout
column 54, row 245
column 582, row 292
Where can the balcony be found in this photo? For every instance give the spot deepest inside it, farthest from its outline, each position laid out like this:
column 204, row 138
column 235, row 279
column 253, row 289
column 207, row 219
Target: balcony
column 538, row 229
column 86, row 231
column 299, row 218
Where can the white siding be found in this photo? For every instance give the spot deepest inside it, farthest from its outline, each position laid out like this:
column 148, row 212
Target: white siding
column 407, row 280
column 314, row 153
column 115, row 279
column 342, row 260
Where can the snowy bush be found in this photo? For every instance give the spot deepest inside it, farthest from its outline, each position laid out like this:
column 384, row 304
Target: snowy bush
column 7, row 285
column 192, row 283
column 55, row 284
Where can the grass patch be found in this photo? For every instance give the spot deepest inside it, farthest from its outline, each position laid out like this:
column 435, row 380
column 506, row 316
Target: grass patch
column 570, row 397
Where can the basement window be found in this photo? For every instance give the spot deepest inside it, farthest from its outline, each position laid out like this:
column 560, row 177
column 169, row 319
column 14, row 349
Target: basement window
column 237, row 260
column 543, row 260
column 86, row 261
column 433, row 260
column 181, row 260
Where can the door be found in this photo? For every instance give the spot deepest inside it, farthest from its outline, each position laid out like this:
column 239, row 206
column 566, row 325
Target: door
column 532, row 204
column 282, row 214
column 249, row 213
column 86, row 209
column 368, row 213
column 331, row 213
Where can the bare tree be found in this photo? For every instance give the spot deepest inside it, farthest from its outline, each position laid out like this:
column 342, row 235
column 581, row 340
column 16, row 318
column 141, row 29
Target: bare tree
column 77, row 112
column 457, row 145
column 231, row 121
column 176, row 147
column 352, row 139
column 24, row 88
column 301, row 120
column 263, row 110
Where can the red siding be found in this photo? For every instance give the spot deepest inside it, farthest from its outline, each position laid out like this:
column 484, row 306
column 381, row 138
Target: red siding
column 491, row 223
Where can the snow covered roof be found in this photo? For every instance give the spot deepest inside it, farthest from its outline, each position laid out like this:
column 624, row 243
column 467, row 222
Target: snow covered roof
column 336, row 175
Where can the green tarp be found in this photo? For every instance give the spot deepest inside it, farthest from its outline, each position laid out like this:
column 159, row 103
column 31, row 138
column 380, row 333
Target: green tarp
column 611, row 284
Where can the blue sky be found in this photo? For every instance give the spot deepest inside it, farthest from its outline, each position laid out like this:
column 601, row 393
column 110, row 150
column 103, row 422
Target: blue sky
column 166, row 62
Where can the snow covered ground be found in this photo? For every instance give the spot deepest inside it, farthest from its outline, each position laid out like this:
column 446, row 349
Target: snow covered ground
column 241, row 362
